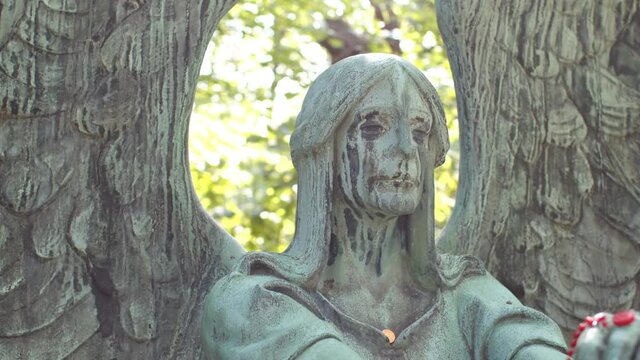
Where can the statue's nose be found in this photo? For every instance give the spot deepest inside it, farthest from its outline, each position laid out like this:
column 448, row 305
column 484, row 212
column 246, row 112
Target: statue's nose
column 405, row 141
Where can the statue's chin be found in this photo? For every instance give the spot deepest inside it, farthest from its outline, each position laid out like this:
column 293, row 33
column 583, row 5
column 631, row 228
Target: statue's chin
column 397, row 203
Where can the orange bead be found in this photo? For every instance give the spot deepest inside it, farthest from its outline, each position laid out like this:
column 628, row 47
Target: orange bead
column 390, row 335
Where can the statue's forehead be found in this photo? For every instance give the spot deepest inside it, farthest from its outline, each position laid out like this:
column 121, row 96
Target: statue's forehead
column 396, row 91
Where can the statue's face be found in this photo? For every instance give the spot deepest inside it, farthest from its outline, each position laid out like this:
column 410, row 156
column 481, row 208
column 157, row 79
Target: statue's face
column 379, row 162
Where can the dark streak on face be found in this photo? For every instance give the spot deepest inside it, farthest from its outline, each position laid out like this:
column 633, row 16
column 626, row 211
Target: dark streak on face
column 403, row 223
column 379, row 262
column 369, row 148
column 370, row 237
column 352, row 225
column 333, row 249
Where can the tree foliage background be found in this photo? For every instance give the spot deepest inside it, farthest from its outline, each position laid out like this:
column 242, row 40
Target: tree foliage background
column 249, row 94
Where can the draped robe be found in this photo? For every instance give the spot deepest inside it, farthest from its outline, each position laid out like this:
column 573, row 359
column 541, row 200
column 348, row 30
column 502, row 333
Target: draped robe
column 473, row 317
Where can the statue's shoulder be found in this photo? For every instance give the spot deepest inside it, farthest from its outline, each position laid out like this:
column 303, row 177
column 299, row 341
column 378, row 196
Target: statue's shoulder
column 456, row 269
column 248, row 315
column 238, row 289
column 466, row 277
column 237, row 286
column 235, row 297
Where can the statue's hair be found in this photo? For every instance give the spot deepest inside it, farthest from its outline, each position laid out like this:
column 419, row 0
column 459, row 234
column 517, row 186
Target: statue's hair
column 329, row 102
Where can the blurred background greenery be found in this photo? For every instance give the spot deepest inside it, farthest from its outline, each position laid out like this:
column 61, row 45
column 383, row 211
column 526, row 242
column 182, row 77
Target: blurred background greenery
column 257, row 69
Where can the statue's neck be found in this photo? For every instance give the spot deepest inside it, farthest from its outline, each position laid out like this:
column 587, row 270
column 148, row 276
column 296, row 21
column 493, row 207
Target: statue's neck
column 368, row 274
column 366, row 244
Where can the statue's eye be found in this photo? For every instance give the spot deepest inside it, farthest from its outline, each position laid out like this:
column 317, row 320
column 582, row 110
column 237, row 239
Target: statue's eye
column 372, row 129
column 420, row 135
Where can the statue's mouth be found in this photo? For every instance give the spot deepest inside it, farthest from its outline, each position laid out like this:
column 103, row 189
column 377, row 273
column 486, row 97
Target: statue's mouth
column 400, row 180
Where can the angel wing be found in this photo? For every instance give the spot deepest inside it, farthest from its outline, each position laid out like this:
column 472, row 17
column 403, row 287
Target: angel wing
column 104, row 249
column 549, row 104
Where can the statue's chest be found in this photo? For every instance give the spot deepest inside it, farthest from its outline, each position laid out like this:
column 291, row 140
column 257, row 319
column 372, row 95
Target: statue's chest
column 395, row 308
column 433, row 334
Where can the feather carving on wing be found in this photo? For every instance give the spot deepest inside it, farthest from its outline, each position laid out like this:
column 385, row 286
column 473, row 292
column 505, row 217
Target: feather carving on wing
column 37, row 163
column 563, row 77
column 103, row 244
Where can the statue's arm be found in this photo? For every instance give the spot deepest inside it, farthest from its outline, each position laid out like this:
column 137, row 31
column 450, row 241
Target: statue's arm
column 497, row 326
column 538, row 351
column 329, row 349
column 245, row 318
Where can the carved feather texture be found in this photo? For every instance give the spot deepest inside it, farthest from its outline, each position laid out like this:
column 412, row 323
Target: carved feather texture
column 104, row 249
column 568, row 90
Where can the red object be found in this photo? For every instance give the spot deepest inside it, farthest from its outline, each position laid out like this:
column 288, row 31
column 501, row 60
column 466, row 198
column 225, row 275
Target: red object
column 624, row 318
column 573, row 343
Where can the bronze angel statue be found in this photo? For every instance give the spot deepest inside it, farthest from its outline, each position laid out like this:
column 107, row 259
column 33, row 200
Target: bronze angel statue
column 105, row 251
